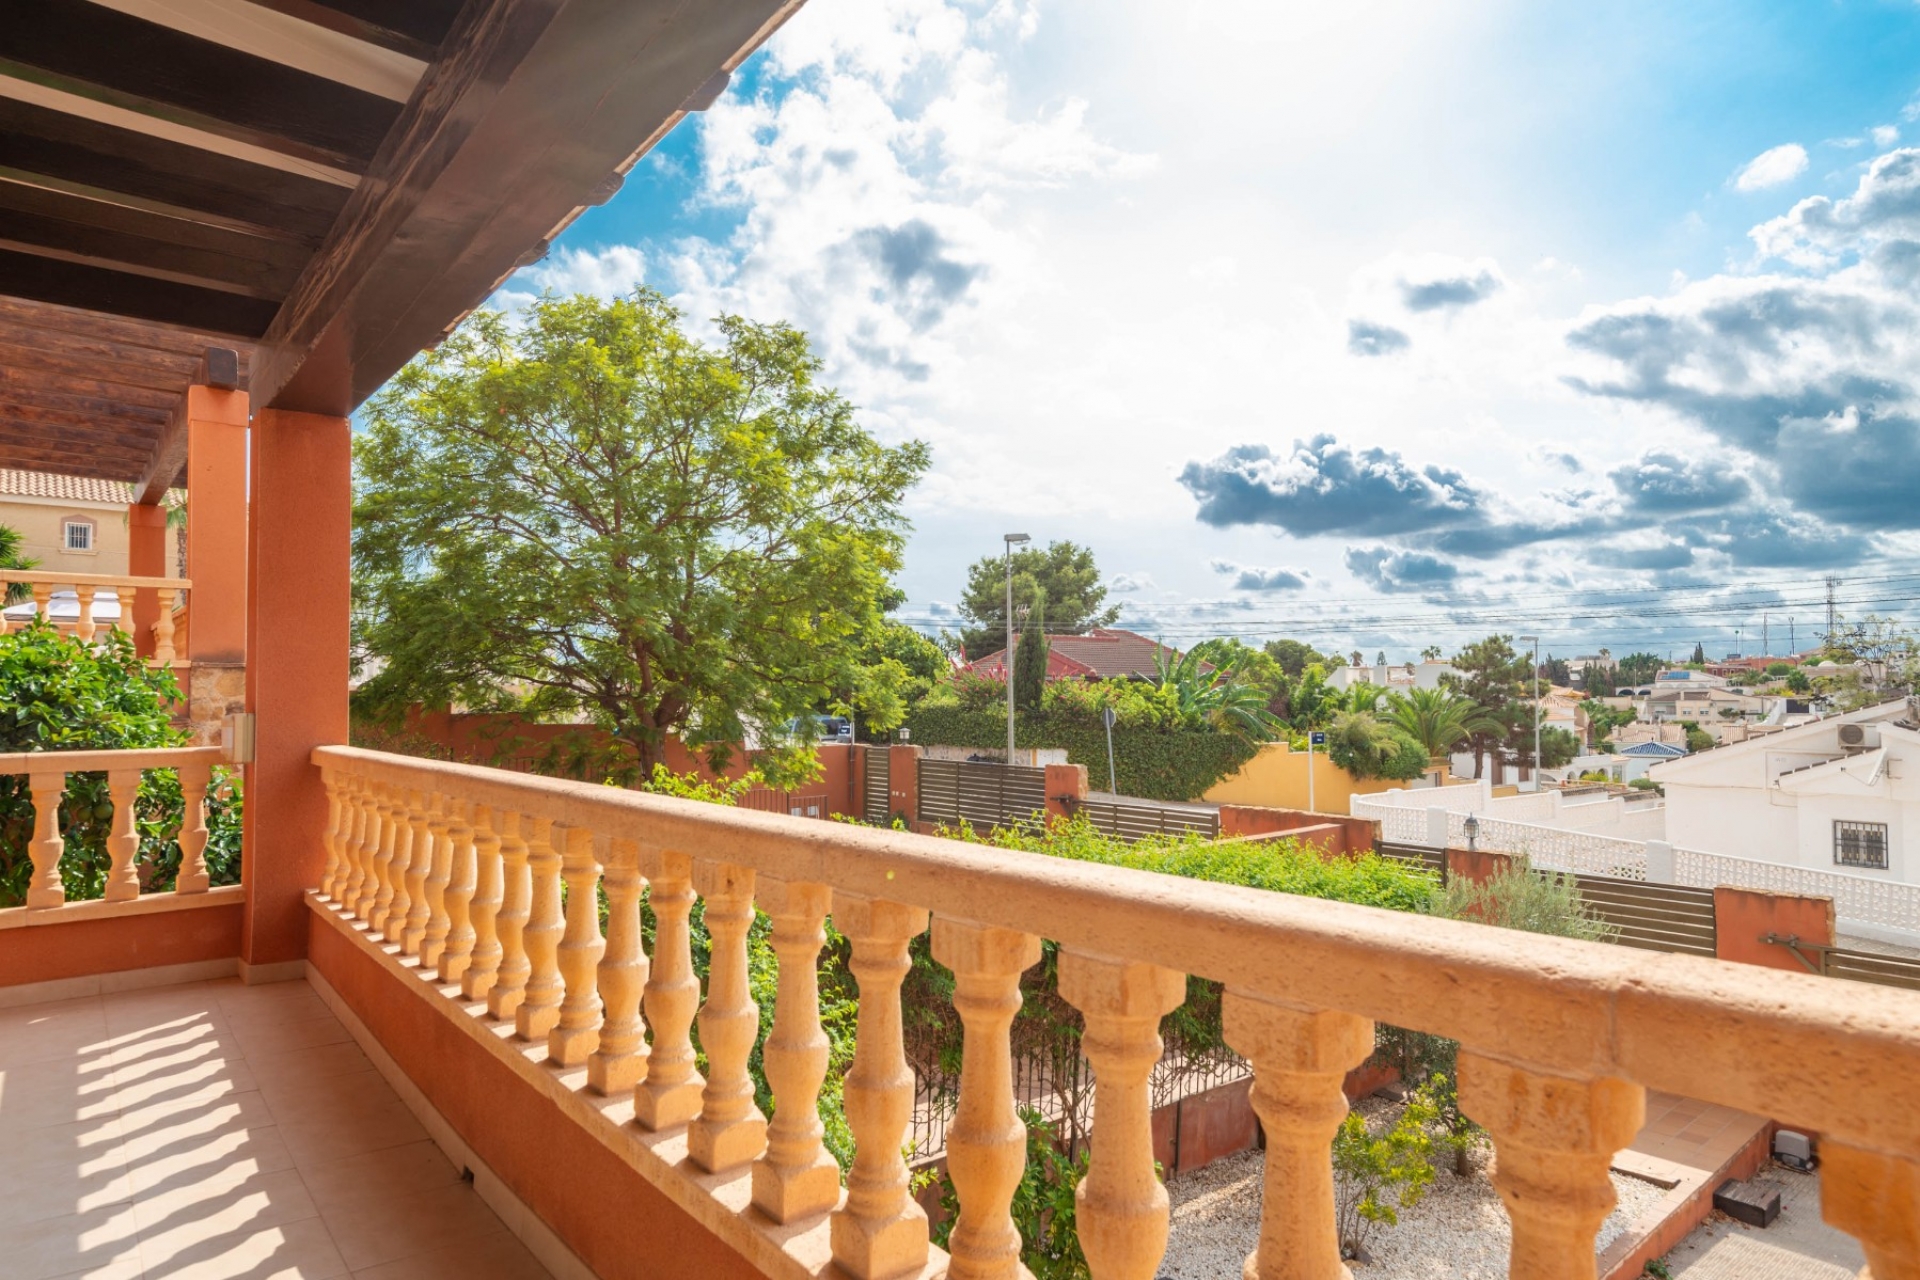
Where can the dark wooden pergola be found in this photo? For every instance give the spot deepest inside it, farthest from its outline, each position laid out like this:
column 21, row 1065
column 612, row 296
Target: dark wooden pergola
column 319, row 187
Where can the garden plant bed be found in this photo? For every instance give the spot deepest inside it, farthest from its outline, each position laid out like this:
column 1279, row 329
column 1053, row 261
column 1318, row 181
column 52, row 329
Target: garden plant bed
column 1459, row 1231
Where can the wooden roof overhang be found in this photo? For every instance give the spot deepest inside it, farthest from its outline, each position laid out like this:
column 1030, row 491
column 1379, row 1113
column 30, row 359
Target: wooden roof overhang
column 323, row 187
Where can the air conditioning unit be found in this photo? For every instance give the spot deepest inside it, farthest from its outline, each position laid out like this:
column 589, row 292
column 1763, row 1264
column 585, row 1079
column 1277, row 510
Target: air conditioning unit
column 1855, row 738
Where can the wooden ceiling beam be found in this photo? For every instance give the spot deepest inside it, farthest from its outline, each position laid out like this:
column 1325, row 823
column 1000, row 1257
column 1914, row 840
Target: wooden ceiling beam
column 56, row 366
column 52, row 148
column 48, row 236
column 413, row 29
column 28, row 386
column 529, row 111
column 23, row 320
column 22, row 433
column 270, row 256
column 114, row 57
column 93, row 288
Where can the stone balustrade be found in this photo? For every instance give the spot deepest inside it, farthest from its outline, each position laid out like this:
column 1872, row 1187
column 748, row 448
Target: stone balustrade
column 1560, row 1039
column 47, row 773
column 92, row 590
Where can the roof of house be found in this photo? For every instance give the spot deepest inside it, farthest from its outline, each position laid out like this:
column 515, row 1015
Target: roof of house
column 1657, row 750
column 1104, row 653
column 39, row 484
column 1810, row 731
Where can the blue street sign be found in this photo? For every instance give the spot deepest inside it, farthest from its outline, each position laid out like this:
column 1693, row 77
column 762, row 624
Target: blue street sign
column 1317, row 738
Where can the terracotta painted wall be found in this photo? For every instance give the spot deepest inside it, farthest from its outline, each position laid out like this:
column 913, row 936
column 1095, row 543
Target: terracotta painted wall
column 1741, row 917
column 1276, row 778
column 1333, row 832
column 46, row 953
column 615, row 1220
column 1477, row 865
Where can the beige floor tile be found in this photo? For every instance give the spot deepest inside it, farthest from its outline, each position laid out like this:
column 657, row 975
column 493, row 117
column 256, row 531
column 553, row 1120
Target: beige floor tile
column 37, row 1095
column 254, row 1150
column 183, row 1201
column 492, row 1257
column 298, row 1098
column 338, row 1059
column 59, row 1171
column 263, row 1040
column 231, row 1246
column 392, row 1173
column 207, row 1076
column 40, row 1032
column 377, row 1231
column 104, row 1242
column 187, row 1120
column 334, row 1136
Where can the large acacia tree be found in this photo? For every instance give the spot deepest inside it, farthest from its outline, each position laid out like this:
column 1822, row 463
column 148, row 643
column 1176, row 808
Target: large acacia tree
column 587, row 511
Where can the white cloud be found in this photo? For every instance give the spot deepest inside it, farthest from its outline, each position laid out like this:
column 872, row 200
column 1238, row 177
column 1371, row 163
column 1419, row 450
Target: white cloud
column 1772, row 167
column 1884, row 135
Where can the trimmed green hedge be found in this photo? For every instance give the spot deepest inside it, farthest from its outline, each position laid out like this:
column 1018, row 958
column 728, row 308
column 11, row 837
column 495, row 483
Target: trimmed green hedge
column 1152, row 764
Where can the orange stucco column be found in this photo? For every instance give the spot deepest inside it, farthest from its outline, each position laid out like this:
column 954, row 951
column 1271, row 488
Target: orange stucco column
column 1066, row 790
column 146, row 558
column 903, row 782
column 296, row 665
column 217, row 523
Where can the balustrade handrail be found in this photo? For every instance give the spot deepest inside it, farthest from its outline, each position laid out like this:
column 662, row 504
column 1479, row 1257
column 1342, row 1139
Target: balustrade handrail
column 101, row 761
column 51, row 578
column 1701, row 1028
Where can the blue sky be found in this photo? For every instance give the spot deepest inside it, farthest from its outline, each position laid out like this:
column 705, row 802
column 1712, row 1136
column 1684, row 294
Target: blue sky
column 1373, row 324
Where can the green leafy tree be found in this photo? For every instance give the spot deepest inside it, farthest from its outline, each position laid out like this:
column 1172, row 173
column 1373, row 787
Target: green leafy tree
column 1699, row 658
column 1063, row 576
column 1519, row 897
column 1214, row 697
column 1249, row 665
column 589, row 512
column 1489, row 674
column 898, row 666
column 1438, row 719
column 1638, row 669
column 1797, row 681
column 1030, row 662
column 1558, row 747
column 1311, row 701
column 1295, row 657
column 1698, row 739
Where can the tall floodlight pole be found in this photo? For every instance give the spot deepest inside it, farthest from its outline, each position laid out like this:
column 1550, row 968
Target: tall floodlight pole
column 1536, row 709
column 1012, row 540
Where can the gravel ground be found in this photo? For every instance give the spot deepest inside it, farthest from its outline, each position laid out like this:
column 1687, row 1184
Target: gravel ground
column 1458, row 1231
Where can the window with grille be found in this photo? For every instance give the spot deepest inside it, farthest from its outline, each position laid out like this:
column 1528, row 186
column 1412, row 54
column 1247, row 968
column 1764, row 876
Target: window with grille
column 79, row 535
column 1860, row 844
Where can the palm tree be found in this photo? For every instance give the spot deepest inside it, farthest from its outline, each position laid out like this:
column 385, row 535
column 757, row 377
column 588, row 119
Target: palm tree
column 1438, row 719
column 10, row 558
column 1220, row 698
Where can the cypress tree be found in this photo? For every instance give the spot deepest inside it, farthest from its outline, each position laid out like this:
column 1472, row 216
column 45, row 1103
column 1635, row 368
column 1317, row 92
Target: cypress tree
column 1030, row 663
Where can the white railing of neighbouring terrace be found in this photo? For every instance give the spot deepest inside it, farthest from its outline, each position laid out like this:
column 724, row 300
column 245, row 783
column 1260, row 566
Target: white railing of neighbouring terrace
column 1864, row 904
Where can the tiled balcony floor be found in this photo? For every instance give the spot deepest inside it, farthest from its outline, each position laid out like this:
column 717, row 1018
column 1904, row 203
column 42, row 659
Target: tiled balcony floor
column 222, row 1132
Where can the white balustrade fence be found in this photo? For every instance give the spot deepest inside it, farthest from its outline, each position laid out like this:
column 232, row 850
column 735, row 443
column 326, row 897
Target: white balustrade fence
column 1857, row 900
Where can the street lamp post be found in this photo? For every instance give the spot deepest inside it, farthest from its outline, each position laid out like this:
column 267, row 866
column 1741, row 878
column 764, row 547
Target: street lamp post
column 1536, row 709
column 1012, row 540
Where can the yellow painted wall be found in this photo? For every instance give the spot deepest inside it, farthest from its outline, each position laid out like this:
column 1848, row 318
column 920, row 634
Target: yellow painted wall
column 1276, row 777
column 39, row 522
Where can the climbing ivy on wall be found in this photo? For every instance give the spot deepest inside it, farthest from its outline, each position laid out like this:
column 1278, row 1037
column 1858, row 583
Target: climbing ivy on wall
column 1154, row 764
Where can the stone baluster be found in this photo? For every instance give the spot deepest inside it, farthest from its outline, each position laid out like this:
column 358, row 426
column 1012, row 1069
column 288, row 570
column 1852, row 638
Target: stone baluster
column 1874, row 1198
column 43, row 602
column 516, row 897
column 195, row 779
column 1121, row 1208
column 1554, row 1137
column 409, row 839
column 83, row 626
column 6, row 589
column 986, row 1140
column 433, row 938
column 796, row 1178
column 163, row 627
column 730, row 1131
column 337, row 789
column 1300, row 1061
column 576, row 1032
column 123, row 840
column 880, row 1233
column 346, row 885
column 484, row 963
column 366, row 881
column 540, row 1008
column 669, row 1094
column 46, row 889
column 419, row 867
column 389, row 864
column 457, row 950
column 619, row 1060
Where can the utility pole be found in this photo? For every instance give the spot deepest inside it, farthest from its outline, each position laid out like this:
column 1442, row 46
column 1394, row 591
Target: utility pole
column 1536, row 708
column 1766, row 645
column 1011, row 539
column 1832, row 582
column 1793, row 645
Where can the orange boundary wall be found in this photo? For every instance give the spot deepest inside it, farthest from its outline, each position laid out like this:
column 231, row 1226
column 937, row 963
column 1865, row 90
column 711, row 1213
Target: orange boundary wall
column 82, row 948
column 616, row 1221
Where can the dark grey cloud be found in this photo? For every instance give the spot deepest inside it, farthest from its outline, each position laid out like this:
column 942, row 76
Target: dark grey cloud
column 1559, row 458
column 1254, row 578
column 1365, row 338
column 1808, row 377
column 1449, row 291
column 915, row 260
column 1386, row 569
column 1674, row 555
column 1322, row 486
column 1664, row 483
column 1765, row 539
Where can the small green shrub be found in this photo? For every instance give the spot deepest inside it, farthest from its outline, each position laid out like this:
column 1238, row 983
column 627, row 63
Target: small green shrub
column 1382, row 1168
column 1520, row 898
